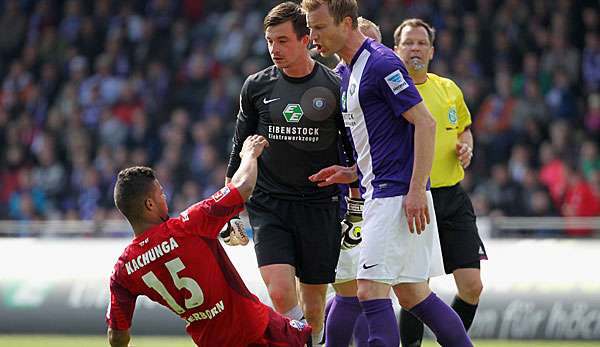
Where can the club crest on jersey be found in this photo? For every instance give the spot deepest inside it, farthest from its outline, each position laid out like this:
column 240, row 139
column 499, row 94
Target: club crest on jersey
column 396, row 82
column 293, row 113
column 352, row 89
column 319, row 103
column 296, row 324
column 452, row 115
column 220, row 194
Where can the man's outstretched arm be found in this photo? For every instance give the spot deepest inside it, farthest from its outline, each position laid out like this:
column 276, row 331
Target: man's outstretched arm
column 244, row 178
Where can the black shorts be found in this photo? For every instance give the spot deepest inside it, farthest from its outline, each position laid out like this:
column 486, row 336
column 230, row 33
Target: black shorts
column 461, row 245
column 303, row 234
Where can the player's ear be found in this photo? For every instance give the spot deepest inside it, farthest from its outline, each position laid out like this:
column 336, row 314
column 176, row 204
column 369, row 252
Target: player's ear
column 305, row 40
column 431, row 53
column 348, row 22
column 149, row 204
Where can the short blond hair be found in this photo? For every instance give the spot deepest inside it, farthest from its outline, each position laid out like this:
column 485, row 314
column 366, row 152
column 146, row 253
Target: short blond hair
column 369, row 29
column 339, row 9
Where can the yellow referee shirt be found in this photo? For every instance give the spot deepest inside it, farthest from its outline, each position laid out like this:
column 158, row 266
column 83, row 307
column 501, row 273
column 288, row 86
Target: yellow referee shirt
column 446, row 102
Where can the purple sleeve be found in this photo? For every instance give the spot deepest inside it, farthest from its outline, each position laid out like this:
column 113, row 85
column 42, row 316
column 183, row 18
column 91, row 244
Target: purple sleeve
column 396, row 86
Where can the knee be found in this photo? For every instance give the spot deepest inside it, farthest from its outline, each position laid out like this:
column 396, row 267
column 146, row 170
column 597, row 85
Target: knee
column 364, row 293
column 471, row 291
column 313, row 310
column 282, row 294
column 407, row 300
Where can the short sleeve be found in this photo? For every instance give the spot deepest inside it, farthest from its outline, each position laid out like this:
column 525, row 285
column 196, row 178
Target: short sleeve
column 396, row 86
column 120, row 307
column 464, row 116
column 207, row 217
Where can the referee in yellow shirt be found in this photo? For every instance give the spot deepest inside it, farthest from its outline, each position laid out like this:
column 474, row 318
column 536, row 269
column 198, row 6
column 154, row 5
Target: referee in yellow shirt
column 462, row 248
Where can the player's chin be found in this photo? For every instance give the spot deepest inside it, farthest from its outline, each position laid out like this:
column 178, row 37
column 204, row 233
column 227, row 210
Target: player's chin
column 280, row 63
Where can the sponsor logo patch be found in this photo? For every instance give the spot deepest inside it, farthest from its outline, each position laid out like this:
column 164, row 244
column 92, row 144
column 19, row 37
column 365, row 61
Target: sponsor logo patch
column 396, row 82
column 296, row 324
column 220, row 194
column 293, row 113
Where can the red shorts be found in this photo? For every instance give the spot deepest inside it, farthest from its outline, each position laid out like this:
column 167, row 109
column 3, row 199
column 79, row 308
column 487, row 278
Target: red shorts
column 283, row 332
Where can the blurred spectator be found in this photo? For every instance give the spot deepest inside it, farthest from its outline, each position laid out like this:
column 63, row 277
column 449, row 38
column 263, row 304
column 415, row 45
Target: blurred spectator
column 579, row 200
column 591, row 62
column 552, row 173
column 502, row 192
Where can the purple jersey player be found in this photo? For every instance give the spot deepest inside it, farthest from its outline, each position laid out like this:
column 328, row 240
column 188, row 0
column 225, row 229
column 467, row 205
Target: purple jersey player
column 393, row 135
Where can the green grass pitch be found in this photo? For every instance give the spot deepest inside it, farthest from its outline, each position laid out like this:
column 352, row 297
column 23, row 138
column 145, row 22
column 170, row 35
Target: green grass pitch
column 183, row 341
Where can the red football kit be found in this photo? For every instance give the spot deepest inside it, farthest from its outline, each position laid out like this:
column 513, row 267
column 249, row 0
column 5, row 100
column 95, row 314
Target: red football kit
column 181, row 265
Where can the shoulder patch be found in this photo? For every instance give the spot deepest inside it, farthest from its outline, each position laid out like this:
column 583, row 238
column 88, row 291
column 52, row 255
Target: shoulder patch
column 220, row 194
column 396, row 82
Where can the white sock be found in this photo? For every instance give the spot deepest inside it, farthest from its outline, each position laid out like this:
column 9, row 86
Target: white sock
column 295, row 313
column 317, row 337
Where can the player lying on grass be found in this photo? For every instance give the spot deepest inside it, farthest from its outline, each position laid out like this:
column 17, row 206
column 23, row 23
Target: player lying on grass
column 179, row 263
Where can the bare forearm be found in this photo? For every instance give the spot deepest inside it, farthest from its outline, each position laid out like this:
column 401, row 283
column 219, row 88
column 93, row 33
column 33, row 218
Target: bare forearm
column 424, row 149
column 425, row 125
column 244, row 178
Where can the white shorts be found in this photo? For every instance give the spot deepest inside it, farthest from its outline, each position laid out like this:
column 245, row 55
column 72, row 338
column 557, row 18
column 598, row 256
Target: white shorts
column 347, row 266
column 389, row 252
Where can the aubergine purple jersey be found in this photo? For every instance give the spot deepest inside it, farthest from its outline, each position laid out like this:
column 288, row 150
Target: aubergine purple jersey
column 375, row 91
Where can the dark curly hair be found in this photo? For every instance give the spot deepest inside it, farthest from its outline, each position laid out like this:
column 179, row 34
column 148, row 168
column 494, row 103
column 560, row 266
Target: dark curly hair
column 133, row 185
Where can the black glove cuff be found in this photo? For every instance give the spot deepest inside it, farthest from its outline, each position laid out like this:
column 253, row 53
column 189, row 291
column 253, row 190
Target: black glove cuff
column 355, row 206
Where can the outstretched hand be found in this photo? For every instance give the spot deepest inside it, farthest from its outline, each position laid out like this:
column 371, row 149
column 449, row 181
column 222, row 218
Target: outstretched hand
column 334, row 174
column 254, row 146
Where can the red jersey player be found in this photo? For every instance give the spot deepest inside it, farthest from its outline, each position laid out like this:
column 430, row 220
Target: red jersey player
column 179, row 263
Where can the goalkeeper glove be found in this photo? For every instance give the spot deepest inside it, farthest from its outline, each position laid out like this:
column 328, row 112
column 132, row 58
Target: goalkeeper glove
column 234, row 232
column 352, row 223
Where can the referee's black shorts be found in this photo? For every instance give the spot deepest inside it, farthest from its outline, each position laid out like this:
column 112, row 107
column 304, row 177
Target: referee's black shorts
column 303, row 234
column 461, row 245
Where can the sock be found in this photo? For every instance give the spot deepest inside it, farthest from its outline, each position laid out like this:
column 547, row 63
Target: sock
column 340, row 320
column 411, row 329
column 382, row 323
column 443, row 321
column 361, row 331
column 295, row 313
column 465, row 311
column 327, row 309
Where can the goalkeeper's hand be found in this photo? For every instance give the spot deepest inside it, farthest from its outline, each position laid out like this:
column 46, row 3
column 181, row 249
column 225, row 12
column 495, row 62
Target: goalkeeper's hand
column 352, row 223
column 234, row 232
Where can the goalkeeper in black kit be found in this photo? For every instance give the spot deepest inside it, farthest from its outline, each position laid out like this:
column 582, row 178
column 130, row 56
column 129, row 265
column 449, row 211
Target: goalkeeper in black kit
column 296, row 227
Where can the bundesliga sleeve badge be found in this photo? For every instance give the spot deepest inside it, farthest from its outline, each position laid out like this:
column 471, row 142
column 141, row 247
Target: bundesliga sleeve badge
column 396, row 82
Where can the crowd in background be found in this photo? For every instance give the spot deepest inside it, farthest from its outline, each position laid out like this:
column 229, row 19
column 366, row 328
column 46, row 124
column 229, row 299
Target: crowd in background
column 91, row 87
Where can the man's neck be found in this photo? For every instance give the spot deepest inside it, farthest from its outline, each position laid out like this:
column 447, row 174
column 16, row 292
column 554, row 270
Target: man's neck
column 353, row 43
column 303, row 68
column 418, row 77
column 140, row 227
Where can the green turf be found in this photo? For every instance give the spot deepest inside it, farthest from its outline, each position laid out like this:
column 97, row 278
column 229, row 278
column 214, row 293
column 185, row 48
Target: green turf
column 155, row 341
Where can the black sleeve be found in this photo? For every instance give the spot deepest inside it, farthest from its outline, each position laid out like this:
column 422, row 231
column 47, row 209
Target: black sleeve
column 345, row 141
column 247, row 121
column 346, row 146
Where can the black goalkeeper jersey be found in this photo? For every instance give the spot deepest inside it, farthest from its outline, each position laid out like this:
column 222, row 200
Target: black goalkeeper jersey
column 301, row 119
